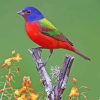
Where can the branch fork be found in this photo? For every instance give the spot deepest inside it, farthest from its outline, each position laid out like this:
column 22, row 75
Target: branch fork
column 53, row 92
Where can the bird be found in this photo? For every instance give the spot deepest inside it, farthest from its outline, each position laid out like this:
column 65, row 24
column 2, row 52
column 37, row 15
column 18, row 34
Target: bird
column 42, row 32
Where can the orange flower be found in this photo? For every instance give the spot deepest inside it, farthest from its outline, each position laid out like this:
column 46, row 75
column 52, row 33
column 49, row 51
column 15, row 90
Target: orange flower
column 33, row 96
column 7, row 77
column 26, row 81
column 10, row 88
column 74, row 80
column 21, row 93
column 74, row 92
column 23, row 97
column 2, row 90
column 8, row 83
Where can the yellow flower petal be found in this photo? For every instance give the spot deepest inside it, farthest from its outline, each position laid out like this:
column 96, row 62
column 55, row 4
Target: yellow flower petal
column 33, row 96
column 23, row 97
column 17, row 92
column 13, row 52
column 74, row 92
column 8, row 61
column 17, row 57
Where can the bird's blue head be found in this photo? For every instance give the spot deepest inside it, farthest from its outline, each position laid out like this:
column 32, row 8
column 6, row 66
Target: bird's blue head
column 31, row 14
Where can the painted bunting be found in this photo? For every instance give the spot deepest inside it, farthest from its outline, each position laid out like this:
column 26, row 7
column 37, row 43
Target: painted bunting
column 44, row 33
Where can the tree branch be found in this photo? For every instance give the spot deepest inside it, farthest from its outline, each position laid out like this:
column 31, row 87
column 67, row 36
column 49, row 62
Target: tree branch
column 53, row 93
column 36, row 54
column 63, row 77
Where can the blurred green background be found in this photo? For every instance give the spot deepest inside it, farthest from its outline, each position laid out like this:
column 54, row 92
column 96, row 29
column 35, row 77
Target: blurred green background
column 77, row 19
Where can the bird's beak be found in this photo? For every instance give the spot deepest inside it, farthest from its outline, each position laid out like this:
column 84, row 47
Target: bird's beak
column 20, row 12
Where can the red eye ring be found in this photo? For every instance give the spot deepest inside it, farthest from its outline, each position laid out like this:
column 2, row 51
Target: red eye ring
column 28, row 12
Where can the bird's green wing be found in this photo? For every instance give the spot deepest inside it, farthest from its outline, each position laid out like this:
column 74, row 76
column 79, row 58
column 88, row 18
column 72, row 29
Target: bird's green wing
column 49, row 29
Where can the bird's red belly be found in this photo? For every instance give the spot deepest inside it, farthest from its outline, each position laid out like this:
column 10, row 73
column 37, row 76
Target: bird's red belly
column 36, row 36
column 42, row 40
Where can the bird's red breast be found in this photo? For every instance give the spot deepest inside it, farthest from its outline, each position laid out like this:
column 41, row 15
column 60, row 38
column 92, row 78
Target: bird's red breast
column 34, row 32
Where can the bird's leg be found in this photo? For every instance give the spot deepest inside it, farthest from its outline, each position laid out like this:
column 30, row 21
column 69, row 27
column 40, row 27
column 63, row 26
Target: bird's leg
column 51, row 51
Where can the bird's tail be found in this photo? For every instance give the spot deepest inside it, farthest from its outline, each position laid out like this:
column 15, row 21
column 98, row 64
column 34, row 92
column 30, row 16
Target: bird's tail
column 81, row 54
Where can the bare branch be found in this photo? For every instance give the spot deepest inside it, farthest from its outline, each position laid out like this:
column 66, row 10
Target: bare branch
column 53, row 93
column 36, row 54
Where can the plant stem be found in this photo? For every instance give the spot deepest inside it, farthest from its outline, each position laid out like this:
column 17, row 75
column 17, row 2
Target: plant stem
column 3, row 92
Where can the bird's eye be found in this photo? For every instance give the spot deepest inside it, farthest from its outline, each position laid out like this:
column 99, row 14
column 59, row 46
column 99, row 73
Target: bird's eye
column 28, row 12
